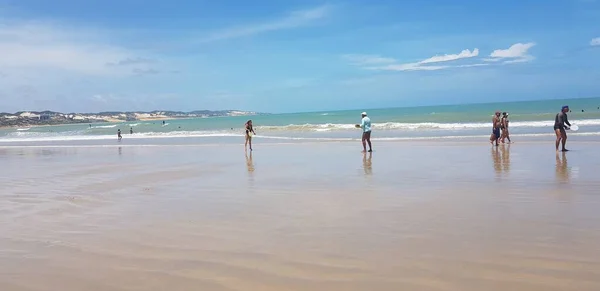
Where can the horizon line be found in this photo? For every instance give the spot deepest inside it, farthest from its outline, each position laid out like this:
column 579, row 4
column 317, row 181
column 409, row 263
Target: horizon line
column 300, row 112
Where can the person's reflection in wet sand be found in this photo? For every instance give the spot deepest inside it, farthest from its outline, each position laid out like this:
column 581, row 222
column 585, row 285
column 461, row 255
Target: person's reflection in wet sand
column 120, row 151
column 563, row 175
column 496, row 158
column 505, row 150
column 367, row 163
column 249, row 164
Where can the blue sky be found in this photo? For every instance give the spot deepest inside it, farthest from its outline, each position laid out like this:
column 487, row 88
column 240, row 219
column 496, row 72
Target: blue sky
column 290, row 56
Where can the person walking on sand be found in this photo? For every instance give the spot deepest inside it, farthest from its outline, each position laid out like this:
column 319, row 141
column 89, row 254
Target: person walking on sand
column 119, row 135
column 560, row 129
column 504, row 123
column 495, row 128
column 365, row 124
column 249, row 133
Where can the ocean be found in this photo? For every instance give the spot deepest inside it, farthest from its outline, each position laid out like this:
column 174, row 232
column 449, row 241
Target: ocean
column 528, row 119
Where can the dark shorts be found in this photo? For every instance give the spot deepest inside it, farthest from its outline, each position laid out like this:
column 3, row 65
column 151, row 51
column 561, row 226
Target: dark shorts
column 563, row 131
column 366, row 135
column 496, row 132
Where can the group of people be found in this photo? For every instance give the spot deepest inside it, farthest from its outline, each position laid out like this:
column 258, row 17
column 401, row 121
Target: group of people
column 561, row 124
column 365, row 125
column 120, row 137
column 500, row 131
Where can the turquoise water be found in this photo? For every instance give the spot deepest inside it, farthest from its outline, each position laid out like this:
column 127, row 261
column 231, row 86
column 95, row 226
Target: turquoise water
column 471, row 120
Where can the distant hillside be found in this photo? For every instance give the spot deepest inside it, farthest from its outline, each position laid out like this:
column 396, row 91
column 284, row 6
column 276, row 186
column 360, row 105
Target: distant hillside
column 33, row 118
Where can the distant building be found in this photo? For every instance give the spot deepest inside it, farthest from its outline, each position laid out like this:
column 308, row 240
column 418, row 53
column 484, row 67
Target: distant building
column 45, row 116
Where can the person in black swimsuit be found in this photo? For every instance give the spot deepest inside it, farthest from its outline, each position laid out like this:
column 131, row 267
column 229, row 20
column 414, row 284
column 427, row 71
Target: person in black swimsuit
column 504, row 126
column 560, row 128
column 249, row 131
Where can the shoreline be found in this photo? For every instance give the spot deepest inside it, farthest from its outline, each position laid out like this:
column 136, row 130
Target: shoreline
column 412, row 142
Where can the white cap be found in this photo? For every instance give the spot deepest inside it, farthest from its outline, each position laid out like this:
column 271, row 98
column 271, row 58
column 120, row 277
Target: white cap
column 364, row 113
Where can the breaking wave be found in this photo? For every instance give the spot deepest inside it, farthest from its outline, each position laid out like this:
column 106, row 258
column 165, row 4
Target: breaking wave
column 416, row 126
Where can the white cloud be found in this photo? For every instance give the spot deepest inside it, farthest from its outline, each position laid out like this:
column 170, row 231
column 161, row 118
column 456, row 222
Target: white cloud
column 516, row 53
column 410, row 67
column 34, row 46
column 595, row 41
column 472, row 65
column 368, row 59
column 423, row 65
column 150, row 71
column 452, row 57
column 133, row 61
column 293, row 20
column 523, row 59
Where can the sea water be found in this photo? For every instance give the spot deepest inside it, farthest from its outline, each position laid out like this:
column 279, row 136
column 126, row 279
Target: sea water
column 527, row 119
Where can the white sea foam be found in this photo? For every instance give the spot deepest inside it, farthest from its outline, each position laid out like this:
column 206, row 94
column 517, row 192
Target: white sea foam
column 418, row 126
column 74, row 136
column 327, row 131
column 105, row 126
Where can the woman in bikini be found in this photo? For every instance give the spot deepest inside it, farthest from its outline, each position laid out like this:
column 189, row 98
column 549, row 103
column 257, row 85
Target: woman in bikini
column 504, row 127
column 249, row 133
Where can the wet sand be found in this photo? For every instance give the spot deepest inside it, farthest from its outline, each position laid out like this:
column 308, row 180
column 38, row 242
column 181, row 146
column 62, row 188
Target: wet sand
column 323, row 216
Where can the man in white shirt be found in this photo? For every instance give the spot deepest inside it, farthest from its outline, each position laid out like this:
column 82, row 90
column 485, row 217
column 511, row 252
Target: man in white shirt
column 365, row 124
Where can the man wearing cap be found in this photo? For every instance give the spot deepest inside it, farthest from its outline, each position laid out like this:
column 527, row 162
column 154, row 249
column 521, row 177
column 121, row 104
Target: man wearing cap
column 365, row 124
column 495, row 128
column 560, row 128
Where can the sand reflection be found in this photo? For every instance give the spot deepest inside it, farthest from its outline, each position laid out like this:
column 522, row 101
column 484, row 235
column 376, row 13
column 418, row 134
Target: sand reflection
column 367, row 163
column 505, row 158
column 496, row 159
column 501, row 159
column 86, row 222
column 562, row 171
column 249, row 162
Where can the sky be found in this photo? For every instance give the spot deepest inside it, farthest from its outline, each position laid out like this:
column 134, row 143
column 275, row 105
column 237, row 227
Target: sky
column 293, row 56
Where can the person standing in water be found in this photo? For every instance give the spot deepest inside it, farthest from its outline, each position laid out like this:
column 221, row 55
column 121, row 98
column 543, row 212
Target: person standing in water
column 495, row 128
column 504, row 123
column 119, row 135
column 560, row 129
column 249, row 133
column 365, row 124
column 131, row 130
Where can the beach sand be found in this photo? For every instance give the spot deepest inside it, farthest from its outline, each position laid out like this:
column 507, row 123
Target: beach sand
column 311, row 216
